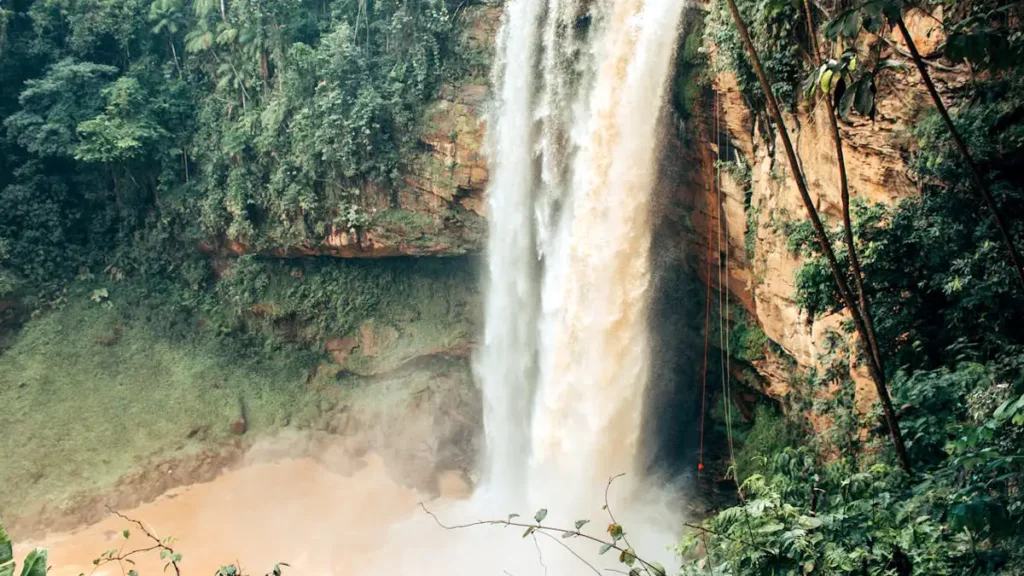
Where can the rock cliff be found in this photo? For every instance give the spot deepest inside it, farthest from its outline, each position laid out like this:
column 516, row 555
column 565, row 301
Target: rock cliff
column 440, row 207
column 756, row 197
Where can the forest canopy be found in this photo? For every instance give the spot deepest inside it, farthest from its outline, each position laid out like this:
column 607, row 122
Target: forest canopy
column 128, row 124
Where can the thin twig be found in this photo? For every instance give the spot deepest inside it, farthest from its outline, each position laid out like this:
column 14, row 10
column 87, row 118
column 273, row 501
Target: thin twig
column 540, row 557
column 571, row 551
column 608, row 508
column 538, row 528
column 159, row 545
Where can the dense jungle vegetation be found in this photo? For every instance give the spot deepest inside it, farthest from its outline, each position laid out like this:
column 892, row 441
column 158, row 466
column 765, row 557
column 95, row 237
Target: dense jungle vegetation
column 939, row 292
column 130, row 127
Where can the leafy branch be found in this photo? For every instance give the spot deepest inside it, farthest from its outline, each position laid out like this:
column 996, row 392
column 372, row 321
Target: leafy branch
column 121, row 557
column 618, row 540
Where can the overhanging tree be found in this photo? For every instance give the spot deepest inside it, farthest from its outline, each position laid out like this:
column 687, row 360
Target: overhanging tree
column 874, row 367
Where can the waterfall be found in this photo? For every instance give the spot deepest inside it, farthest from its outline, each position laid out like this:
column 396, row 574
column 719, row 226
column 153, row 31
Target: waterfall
column 573, row 140
column 509, row 353
column 574, row 132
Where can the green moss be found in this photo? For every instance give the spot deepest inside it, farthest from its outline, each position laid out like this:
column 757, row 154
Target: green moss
column 144, row 374
column 87, row 393
column 691, row 68
column 403, row 220
column 309, row 301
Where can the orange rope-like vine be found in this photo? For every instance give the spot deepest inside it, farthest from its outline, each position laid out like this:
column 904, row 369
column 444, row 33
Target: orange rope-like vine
column 707, row 298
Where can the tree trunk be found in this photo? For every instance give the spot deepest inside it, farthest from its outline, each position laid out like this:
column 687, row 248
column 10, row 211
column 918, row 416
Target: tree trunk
column 264, row 69
column 844, row 192
column 844, row 290
column 979, row 183
column 174, row 53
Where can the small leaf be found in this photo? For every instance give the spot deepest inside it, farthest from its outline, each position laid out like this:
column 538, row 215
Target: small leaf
column 864, row 99
column 581, row 523
column 826, row 80
column 541, row 515
column 568, row 534
column 852, row 24
column 658, row 569
column 529, row 530
column 627, row 557
column 126, row 533
column 604, row 548
column 511, row 516
column 615, row 530
column 133, row 573
column 998, row 414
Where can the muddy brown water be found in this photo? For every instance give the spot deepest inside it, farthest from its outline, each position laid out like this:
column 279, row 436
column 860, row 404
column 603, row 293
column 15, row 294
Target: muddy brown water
column 294, row 511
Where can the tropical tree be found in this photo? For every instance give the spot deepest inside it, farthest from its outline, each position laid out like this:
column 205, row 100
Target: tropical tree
column 167, row 18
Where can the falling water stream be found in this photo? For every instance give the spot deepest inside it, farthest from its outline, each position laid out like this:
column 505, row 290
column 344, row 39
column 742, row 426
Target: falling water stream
column 579, row 91
column 574, row 147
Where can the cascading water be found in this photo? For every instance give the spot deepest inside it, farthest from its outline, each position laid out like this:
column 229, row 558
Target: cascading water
column 580, row 89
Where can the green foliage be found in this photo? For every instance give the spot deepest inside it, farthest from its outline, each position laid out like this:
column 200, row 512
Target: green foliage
column 33, row 565
column 746, row 339
column 773, row 25
column 272, row 123
column 770, row 434
column 983, row 33
column 988, row 37
column 289, row 161
column 691, row 67
column 848, row 84
column 124, row 130
column 801, row 516
column 54, row 105
column 426, row 303
column 935, row 269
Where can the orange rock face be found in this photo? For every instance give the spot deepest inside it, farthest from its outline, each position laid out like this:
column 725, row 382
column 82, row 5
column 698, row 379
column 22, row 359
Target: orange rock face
column 753, row 215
